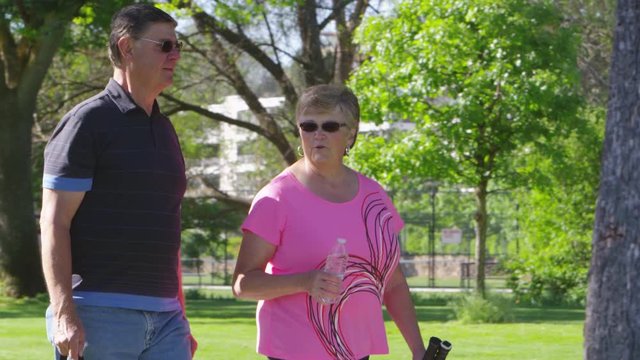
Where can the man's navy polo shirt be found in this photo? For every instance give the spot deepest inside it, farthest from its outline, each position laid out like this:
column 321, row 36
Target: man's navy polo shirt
column 125, row 236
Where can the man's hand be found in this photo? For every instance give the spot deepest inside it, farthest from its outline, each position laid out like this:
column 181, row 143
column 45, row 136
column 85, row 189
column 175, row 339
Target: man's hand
column 69, row 335
column 194, row 345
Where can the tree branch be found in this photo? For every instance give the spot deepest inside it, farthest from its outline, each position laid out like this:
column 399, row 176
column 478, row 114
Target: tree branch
column 357, row 15
column 185, row 106
column 47, row 43
column 313, row 59
column 241, row 41
column 337, row 8
column 222, row 196
column 229, row 69
column 272, row 41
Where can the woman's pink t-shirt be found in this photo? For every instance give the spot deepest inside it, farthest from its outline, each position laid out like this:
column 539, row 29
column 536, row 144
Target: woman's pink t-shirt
column 304, row 227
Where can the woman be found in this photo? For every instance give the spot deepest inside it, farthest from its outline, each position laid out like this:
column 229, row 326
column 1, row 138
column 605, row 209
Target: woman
column 292, row 225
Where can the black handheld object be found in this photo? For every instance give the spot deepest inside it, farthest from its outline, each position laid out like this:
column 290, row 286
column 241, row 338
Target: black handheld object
column 64, row 357
column 443, row 351
column 432, row 349
column 437, row 349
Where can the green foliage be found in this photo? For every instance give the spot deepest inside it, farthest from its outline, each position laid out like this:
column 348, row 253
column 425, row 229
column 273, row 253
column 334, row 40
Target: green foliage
column 455, row 206
column 205, row 224
column 478, row 78
column 91, row 27
column 434, row 298
column 473, row 309
column 192, row 131
column 556, row 218
column 452, row 209
column 216, row 295
column 490, row 86
column 553, row 264
column 196, row 243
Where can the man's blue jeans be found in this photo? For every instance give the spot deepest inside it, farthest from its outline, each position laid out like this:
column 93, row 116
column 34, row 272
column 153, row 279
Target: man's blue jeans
column 124, row 334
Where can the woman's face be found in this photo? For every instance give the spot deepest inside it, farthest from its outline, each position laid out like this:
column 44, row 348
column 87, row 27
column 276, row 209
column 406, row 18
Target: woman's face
column 325, row 135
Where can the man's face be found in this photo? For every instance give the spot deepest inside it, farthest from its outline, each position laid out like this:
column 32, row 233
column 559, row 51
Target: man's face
column 150, row 65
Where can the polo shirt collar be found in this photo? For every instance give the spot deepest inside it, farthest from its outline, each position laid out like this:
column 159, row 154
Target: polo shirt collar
column 123, row 100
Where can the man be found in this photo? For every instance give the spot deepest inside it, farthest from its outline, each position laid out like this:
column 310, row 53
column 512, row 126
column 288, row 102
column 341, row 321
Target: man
column 114, row 178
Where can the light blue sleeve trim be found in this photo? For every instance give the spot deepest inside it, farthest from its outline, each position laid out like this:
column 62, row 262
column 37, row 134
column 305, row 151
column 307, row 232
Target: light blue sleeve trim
column 126, row 301
column 67, row 184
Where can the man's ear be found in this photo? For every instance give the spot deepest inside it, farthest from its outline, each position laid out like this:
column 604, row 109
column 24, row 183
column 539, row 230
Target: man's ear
column 125, row 46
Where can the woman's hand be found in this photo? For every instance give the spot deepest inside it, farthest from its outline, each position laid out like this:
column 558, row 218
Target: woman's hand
column 323, row 286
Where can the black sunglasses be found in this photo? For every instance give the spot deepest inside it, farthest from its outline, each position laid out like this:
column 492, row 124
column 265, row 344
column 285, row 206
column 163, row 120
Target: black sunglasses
column 329, row 126
column 166, row 45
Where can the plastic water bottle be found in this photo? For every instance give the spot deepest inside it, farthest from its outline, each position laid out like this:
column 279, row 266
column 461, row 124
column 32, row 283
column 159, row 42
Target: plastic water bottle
column 336, row 264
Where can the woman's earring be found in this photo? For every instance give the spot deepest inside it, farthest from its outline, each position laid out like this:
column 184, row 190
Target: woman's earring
column 346, row 151
column 300, row 153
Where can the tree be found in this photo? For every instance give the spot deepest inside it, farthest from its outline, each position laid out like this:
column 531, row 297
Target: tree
column 613, row 304
column 294, row 43
column 484, row 81
column 30, row 34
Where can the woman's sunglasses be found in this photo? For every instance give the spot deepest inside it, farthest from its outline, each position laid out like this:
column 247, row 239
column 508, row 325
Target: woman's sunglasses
column 166, row 45
column 329, row 126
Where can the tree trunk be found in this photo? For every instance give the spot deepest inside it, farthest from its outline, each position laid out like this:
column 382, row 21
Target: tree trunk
column 19, row 258
column 315, row 70
column 481, row 235
column 346, row 48
column 24, row 64
column 612, row 328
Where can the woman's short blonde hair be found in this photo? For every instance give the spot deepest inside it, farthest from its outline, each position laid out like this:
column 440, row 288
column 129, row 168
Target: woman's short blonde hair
column 327, row 98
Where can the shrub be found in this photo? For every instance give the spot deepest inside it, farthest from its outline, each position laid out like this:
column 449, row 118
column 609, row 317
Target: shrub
column 194, row 294
column 473, row 309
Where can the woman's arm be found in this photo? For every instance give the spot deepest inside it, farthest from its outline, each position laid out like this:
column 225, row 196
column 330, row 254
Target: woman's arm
column 399, row 305
column 251, row 282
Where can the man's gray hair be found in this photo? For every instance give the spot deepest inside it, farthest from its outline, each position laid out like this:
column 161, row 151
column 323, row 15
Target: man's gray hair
column 133, row 21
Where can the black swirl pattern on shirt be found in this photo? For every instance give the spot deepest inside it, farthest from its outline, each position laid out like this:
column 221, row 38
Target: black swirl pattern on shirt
column 363, row 275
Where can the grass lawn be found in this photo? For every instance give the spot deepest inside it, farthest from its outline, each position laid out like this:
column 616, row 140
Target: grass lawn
column 414, row 281
column 225, row 329
column 423, row 281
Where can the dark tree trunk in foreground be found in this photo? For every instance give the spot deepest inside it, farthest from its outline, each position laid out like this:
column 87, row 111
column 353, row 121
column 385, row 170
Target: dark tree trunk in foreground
column 612, row 329
column 24, row 61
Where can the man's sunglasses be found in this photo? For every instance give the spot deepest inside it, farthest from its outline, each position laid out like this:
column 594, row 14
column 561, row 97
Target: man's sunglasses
column 329, row 126
column 166, row 45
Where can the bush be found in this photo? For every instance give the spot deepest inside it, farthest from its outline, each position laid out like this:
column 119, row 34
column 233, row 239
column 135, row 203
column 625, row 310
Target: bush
column 434, row 299
column 195, row 294
column 473, row 309
column 205, row 294
column 562, row 284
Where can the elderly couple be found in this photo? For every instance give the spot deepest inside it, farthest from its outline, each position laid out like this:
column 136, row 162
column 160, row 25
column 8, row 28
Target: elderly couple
column 114, row 178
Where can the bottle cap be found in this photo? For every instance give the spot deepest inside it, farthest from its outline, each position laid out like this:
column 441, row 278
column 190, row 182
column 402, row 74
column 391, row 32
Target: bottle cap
column 342, row 240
